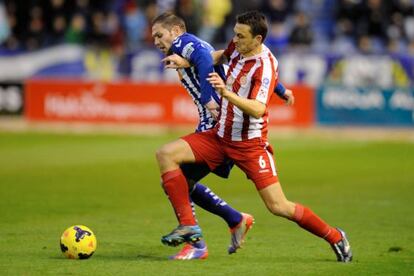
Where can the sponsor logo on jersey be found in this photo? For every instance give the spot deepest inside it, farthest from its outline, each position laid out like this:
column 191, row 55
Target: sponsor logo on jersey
column 243, row 80
column 188, row 50
column 262, row 93
column 266, row 82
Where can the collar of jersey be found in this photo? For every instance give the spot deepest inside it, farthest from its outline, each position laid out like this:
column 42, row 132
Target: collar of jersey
column 178, row 37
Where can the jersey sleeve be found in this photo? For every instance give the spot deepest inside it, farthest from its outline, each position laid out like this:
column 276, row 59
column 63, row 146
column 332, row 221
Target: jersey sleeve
column 229, row 50
column 280, row 90
column 199, row 56
column 264, row 80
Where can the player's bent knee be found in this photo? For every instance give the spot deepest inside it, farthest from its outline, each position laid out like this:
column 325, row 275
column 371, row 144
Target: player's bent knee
column 163, row 154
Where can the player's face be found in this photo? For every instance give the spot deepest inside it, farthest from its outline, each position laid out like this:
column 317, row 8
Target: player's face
column 163, row 37
column 244, row 40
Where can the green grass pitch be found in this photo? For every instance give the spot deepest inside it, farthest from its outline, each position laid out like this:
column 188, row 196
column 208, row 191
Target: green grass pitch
column 111, row 184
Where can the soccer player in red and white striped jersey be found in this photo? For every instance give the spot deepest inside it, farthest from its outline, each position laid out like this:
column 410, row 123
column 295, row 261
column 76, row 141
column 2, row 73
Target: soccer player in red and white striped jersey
column 241, row 135
column 252, row 78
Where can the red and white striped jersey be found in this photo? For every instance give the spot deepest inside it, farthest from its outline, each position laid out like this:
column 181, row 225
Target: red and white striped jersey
column 252, row 78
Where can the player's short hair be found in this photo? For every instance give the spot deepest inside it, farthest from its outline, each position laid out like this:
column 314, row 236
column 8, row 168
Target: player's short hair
column 168, row 20
column 257, row 22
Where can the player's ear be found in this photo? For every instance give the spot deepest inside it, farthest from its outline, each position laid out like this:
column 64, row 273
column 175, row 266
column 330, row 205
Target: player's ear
column 259, row 39
column 176, row 29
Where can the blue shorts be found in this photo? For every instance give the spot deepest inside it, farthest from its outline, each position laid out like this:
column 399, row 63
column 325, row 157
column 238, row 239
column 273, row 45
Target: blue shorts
column 196, row 171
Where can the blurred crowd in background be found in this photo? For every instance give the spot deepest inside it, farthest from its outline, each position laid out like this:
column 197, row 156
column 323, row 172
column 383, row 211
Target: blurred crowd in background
column 344, row 26
column 355, row 56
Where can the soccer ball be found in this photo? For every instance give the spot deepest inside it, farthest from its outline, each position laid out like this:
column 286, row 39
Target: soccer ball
column 78, row 242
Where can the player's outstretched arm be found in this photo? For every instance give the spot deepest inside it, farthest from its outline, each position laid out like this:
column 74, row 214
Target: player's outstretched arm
column 188, row 52
column 175, row 61
column 218, row 57
column 251, row 107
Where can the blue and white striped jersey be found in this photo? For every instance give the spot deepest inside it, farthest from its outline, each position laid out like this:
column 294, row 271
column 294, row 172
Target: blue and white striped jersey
column 194, row 79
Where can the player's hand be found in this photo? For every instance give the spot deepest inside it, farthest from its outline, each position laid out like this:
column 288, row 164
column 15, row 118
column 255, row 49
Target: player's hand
column 290, row 98
column 174, row 61
column 213, row 107
column 217, row 83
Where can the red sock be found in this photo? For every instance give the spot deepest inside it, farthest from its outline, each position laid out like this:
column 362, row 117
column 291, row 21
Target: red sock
column 175, row 185
column 309, row 221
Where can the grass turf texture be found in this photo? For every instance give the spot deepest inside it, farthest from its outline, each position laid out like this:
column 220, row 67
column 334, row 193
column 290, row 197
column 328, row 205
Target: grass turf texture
column 110, row 183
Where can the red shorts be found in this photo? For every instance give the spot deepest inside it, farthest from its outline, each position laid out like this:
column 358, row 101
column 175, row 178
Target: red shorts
column 254, row 157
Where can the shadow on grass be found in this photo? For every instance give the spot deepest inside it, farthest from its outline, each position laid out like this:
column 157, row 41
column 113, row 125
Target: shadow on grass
column 152, row 258
column 132, row 257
